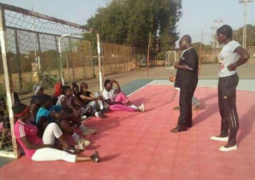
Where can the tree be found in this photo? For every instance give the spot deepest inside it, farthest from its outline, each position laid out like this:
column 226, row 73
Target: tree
column 238, row 35
column 131, row 21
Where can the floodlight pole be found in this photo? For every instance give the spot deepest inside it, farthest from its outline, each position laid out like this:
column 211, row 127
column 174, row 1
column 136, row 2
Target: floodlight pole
column 245, row 3
column 217, row 25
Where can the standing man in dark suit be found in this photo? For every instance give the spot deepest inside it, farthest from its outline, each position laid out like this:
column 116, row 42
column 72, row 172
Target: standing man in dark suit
column 186, row 80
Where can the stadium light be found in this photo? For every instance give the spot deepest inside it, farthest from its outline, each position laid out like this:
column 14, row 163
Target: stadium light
column 245, row 2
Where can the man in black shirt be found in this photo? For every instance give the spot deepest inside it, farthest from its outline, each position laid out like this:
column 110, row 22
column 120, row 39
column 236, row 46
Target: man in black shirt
column 186, row 80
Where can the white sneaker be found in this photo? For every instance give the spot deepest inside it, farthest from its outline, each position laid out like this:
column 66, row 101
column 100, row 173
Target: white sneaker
column 142, row 108
column 89, row 132
column 83, row 117
column 218, row 138
column 79, row 146
column 226, row 149
column 84, row 142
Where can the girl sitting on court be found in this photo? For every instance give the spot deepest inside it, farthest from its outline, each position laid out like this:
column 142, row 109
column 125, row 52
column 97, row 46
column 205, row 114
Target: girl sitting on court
column 67, row 99
column 43, row 149
column 55, row 114
column 95, row 101
column 118, row 100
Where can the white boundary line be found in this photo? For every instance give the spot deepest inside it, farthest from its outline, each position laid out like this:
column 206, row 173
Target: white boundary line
column 239, row 87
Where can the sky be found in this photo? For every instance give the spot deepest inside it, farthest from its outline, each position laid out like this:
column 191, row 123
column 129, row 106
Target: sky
column 197, row 15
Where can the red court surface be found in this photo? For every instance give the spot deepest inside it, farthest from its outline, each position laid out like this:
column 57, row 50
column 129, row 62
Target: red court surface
column 136, row 146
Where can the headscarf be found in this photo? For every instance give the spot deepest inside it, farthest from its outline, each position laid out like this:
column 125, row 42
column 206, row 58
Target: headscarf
column 57, row 88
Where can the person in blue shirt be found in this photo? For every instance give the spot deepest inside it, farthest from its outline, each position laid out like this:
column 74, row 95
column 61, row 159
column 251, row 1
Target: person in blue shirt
column 55, row 114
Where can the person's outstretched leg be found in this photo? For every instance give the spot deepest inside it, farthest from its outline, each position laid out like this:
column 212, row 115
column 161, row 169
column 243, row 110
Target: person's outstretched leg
column 119, row 107
column 50, row 154
column 121, row 97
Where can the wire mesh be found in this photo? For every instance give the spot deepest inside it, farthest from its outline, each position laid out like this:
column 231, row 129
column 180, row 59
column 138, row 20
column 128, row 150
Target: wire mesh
column 34, row 57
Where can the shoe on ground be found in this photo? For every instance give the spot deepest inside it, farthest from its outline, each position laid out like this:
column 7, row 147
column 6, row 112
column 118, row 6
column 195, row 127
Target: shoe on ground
column 177, row 108
column 83, row 117
column 219, row 138
column 228, row 148
column 79, row 146
column 95, row 157
column 196, row 108
column 100, row 115
column 89, row 131
column 142, row 108
column 83, row 142
column 105, row 110
column 178, row 129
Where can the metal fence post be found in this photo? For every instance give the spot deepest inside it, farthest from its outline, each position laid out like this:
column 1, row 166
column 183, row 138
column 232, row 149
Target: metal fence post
column 99, row 62
column 39, row 56
column 59, row 65
column 18, row 58
column 70, row 45
column 91, row 60
column 8, row 80
column 83, row 59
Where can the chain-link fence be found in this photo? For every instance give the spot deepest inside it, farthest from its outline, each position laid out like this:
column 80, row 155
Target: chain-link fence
column 37, row 48
column 33, row 44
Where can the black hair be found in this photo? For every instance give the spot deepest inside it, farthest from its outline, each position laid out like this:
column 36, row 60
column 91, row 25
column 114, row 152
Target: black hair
column 64, row 89
column 226, row 30
column 43, row 99
column 186, row 38
column 107, row 81
column 74, row 85
column 18, row 106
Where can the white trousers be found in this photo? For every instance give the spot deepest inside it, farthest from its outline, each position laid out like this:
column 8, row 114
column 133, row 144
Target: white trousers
column 51, row 132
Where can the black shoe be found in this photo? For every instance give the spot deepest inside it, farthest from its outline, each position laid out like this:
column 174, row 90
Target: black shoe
column 100, row 115
column 95, row 157
column 105, row 110
column 178, row 129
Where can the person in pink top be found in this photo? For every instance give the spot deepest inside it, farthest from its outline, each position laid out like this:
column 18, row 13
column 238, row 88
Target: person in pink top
column 117, row 100
column 43, row 149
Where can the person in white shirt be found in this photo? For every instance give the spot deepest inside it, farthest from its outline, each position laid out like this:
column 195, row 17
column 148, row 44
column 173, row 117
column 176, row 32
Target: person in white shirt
column 231, row 56
column 117, row 100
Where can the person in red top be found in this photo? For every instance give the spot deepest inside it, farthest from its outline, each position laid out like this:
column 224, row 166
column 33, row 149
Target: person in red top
column 57, row 93
column 43, row 149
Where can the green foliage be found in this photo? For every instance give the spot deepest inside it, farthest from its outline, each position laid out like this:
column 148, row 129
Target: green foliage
column 238, row 35
column 130, row 21
column 28, row 86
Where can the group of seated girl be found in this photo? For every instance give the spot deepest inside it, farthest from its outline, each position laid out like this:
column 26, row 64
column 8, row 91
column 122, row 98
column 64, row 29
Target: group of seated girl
column 49, row 117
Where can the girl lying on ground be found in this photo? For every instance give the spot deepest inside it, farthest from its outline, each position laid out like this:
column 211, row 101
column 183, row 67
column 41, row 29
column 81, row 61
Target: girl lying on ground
column 117, row 100
column 43, row 149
